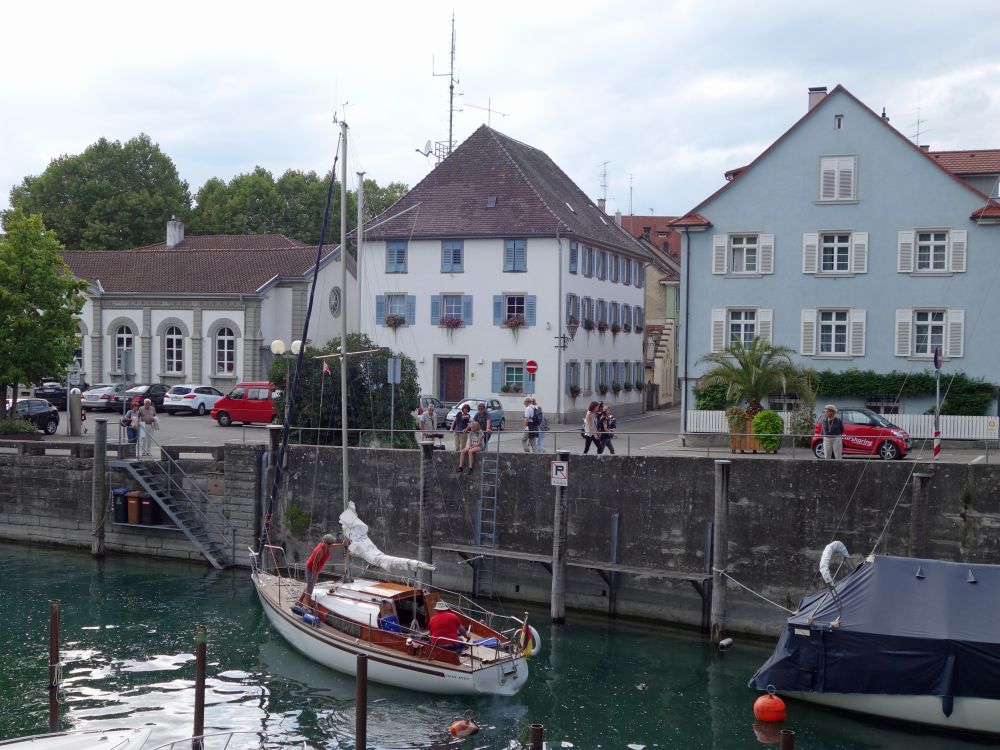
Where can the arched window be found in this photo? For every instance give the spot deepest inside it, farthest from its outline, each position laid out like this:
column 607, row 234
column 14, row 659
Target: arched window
column 123, row 344
column 173, row 350
column 225, row 351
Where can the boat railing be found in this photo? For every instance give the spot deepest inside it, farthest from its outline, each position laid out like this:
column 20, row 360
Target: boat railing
column 243, row 740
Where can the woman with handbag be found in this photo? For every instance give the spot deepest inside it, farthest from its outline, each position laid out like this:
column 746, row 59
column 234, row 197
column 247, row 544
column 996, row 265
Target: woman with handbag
column 130, row 421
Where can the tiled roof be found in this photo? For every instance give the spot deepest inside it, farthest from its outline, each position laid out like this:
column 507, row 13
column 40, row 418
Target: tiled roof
column 227, row 242
column 661, row 234
column 691, row 220
column 191, row 271
column 982, row 161
column 495, row 186
column 990, row 211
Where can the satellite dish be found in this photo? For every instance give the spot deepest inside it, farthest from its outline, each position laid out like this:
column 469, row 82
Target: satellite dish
column 427, row 147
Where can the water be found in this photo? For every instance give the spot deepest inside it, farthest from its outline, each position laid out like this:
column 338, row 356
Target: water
column 128, row 643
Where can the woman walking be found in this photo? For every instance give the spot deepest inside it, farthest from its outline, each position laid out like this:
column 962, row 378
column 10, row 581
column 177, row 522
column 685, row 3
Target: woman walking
column 591, row 428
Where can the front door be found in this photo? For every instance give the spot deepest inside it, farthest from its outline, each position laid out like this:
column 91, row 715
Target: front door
column 451, row 379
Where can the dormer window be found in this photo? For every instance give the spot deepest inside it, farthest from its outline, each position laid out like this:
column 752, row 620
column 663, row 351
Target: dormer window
column 491, row 201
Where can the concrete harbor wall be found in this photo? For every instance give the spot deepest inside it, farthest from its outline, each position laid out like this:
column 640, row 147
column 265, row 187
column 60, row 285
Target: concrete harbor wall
column 782, row 514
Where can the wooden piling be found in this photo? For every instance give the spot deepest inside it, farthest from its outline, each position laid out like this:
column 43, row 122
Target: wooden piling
column 787, row 739
column 918, row 515
column 720, row 549
column 200, row 641
column 537, row 737
column 425, row 531
column 54, row 665
column 99, row 488
column 361, row 705
column 559, row 534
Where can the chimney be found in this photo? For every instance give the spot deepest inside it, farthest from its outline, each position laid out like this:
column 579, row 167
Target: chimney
column 602, row 203
column 816, row 95
column 618, row 218
column 175, row 232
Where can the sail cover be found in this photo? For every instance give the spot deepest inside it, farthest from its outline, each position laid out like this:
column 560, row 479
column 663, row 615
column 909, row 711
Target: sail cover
column 908, row 627
column 356, row 533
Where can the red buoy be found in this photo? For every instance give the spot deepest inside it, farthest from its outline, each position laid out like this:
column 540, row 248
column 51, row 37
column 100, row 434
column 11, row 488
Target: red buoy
column 463, row 728
column 769, row 708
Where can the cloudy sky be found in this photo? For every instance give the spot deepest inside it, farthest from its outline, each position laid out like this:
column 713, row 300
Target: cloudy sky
column 671, row 94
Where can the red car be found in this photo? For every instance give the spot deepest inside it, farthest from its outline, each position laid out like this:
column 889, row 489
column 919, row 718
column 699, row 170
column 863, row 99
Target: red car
column 867, row 434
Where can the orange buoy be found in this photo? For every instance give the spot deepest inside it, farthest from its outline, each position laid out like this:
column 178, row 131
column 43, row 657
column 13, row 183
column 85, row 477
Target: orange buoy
column 463, row 728
column 769, row 708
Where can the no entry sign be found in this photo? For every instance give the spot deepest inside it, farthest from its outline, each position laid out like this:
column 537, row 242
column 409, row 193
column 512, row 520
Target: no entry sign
column 531, row 366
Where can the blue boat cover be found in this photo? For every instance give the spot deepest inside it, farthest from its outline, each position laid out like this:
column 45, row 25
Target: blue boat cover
column 907, row 626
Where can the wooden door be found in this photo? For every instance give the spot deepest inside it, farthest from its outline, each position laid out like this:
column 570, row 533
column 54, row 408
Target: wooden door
column 451, row 380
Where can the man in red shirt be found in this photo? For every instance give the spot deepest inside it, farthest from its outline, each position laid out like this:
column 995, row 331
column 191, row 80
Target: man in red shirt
column 316, row 561
column 446, row 628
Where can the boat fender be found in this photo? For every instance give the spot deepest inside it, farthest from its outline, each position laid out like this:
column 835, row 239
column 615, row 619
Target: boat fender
column 530, row 643
column 725, row 644
column 833, row 548
column 310, row 619
column 298, row 610
column 769, row 707
column 463, row 728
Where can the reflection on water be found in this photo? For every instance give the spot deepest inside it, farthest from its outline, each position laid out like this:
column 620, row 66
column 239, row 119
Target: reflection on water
column 128, row 635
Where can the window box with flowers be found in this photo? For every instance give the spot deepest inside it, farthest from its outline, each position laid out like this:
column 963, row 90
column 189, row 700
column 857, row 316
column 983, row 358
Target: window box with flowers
column 394, row 320
column 615, row 329
column 515, row 323
column 627, row 386
column 602, row 327
column 616, row 387
column 626, row 328
column 588, row 324
column 450, row 324
column 603, row 388
column 574, row 392
column 511, row 389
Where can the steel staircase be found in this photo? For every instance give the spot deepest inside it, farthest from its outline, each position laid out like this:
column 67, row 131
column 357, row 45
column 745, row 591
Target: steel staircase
column 486, row 519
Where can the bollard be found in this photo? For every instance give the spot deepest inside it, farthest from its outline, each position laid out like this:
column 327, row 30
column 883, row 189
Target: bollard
column 787, row 739
column 54, row 665
column 537, row 736
column 559, row 534
column 425, row 530
column 99, row 489
column 197, row 739
column 361, row 705
column 720, row 550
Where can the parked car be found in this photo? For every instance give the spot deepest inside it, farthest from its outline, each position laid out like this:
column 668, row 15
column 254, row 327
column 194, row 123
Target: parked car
column 39, row 412
column 102, row 397
column 154, row 392
column 439, row 409
column 54, row 392
column 494, row 409
column 867, row 434
column 194, row 398
column 247, row 403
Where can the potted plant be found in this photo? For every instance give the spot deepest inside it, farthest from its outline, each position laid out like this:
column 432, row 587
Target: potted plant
column 450, row 324
column 18, row 429
column 627, row 328
column 514, row 323
column 615, row 329
column 603, row 389
column 602, row 327
column 616, row 387
column 510, row 389
column 627, row 386
column 588, row 324
column 639, row 385
column 768, row 429
column 395, row 320
column 574, row 392
column 741, row 436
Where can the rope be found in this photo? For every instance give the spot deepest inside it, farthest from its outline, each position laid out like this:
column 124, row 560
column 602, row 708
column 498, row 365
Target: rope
column 747, row 588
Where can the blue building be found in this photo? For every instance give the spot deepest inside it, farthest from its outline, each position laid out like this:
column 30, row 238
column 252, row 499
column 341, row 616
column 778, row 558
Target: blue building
column 851, row 245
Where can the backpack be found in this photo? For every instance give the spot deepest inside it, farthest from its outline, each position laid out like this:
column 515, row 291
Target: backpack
column 536, row 418
column 543, row 421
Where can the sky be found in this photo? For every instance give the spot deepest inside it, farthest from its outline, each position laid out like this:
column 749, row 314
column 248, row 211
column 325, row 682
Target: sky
column 655, row 100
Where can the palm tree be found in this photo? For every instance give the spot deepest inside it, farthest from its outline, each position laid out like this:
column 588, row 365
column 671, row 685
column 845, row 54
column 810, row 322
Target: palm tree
column 753, row 372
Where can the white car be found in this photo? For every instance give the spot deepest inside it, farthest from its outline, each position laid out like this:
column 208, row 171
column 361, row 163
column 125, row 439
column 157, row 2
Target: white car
column 194, row 398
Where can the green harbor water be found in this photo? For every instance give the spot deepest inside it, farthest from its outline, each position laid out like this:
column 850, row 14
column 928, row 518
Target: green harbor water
column 128, row 642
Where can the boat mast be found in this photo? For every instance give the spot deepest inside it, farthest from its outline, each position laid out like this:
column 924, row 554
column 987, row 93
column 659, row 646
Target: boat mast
column 343, row 311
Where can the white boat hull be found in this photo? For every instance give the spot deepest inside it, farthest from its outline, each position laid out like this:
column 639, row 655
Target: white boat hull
column 96, row 739
column 968, row 714
column 339, row 652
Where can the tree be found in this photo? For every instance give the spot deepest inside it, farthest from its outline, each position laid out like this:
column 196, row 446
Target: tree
column 752, row 373
column 39, row 301
column 113, row 196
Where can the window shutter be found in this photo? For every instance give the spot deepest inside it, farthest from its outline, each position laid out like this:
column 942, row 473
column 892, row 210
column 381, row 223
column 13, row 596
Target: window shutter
column 904, row 326
column 574, row 256
column 904, row 252
column 640, row 274
column 521, row 256
column 626, row 315
column 380, row 310
column 640, row 316
column 435, row 309
column 390, row 258
column 498, row 309
column 856, row 342
column 496, row 377
column 959, row 238
column 411, row 309
column 845, row 178
column 955, row 346
column 529, row 309
column 827, row 179
column 569, row 307
column 766, row 253
column 467, row 309
column 810, row 252
column 718, row 338
column 807, row 338
column 508, row 256
column 568, row 381
column 859, row 252
column 719, row 244
column 765, row 318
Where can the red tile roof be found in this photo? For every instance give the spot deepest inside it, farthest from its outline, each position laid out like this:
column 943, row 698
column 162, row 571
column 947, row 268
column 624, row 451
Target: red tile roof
column 990, row 211
column 691, row 220
column 981, row 161
column 660, row 234
column 495, row 186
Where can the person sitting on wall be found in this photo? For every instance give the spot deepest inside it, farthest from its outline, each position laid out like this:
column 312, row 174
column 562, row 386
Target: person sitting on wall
column 447, row 630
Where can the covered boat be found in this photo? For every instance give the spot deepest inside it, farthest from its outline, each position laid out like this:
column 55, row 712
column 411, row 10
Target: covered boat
column 905, row 638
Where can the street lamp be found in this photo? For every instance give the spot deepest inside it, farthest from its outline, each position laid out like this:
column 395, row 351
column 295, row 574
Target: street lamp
column 278, row 349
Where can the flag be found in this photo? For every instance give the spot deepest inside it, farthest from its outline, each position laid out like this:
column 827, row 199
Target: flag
column 326, row 368
column 524, row 638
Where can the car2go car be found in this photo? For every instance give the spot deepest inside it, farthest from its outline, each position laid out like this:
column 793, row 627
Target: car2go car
column 867, row 434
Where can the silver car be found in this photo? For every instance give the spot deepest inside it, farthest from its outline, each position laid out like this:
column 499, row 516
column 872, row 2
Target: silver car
column 101, row 397
column 494, row 410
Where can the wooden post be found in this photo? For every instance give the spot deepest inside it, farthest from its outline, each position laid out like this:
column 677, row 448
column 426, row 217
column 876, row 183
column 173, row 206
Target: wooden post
column 361, row 705
column 918, row 515
column 99, row 488
column 199, row 688
column 425, row 530
column 720, row 549
column 559, row 522
column 54, row 665
column 537, row 737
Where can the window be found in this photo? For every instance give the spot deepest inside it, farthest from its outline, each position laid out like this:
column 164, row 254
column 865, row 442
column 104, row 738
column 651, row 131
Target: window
column 515, row 258
column 173, row 345
column 574, row 256
column 638, row 318
column 782, row 401
column 588, row 373
column 236, row 394
column 838, row 178
column 601, row 311
column 451, row 310
column 616, row 313
column 627, row 272
column 452, row 252
column 833, row 331
column 514, row 306
column 743, row 253
column 602, row 264
column 572, row 375
column 638, row 274
column 395, row 304
column 931, row 251
column 395, row 256
column 742, row 327
column 838, row 122
column 626, row 317
column 919, row 331
column 513, row 377
column 78, row 357
column 395, row 310
column 588, row 262
column 835, row 252
column 572, row 310
column 882, row 404
column 623, row 264
column 928, row 331
column 225, row 351
column 588, row 308
column 613, row 260
column 451, row 305
column 123, row 343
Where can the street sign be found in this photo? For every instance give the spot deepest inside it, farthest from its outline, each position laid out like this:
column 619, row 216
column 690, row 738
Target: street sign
column 531, row 367
column 73, row 375
column 559, row 473
column 393, row 375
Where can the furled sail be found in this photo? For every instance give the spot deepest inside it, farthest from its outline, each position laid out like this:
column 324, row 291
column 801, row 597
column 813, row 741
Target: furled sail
column 356, row 534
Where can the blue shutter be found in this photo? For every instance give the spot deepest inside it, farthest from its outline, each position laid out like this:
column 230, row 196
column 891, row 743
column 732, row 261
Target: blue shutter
column 529, row 309
column 498, row 309
column 569, row 307
column 520, row 255
column 435, row 309
column 411, row 309
column 574, row 256
column 529, row 384
column 390, row 258
column 626, row 315
column 380, row 310
column 458, row 257
column 467, row 309
column 496, row 378
column 508, row 255
column 445, row 257
column 569, row 376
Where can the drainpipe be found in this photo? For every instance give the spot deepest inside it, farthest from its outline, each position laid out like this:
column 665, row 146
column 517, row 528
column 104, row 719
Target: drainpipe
column 559, row 333
column 687, row 317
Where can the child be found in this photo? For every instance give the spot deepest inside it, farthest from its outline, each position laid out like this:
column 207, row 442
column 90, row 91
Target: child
column 473, row 444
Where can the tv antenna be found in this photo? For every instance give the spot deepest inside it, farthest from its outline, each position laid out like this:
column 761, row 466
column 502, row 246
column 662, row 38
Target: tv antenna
column 489, row 111
column 630, row 194
column 604, row 179
column 451, row 88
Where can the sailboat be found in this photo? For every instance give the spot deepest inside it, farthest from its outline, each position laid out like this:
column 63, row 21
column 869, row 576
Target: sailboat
column 385, row 615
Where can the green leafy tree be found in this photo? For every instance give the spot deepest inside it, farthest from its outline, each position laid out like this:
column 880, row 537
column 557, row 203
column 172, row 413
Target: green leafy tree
column 39, row 299
column 751, row 373
column 113, row 196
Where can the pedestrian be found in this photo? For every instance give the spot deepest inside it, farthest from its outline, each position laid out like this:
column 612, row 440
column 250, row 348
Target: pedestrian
column 482, row 418
column 147, row 423
column 446, row 629
column 460, row 426
column 609, row 428
column 130, row 421
column 530, row 433
column 832, row 430
column 83, row 418
column 316, row 561
column 473, row 445
column 591, row 428
column 542, row 426
column 427, row 421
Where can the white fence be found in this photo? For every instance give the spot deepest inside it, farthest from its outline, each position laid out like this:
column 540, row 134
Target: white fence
column 918, row 425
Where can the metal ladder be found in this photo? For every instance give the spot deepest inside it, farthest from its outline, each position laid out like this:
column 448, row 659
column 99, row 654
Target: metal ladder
column 485, row 531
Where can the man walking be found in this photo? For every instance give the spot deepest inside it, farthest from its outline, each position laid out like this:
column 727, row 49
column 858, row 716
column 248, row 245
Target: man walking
column 833, row 433
column 530, row 434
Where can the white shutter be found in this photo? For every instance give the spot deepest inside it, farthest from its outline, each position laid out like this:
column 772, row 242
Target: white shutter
column 904, row 325
column 766, row 253
column 807, row 339
column 955, row 343
column 718, row 341
column 828, row 179
column 719, row 244
column 904, row 252
column 856, row 336
column 810, row 252
column 845, row 178
column 859, row 252
column 959, row 237
column 764, row 319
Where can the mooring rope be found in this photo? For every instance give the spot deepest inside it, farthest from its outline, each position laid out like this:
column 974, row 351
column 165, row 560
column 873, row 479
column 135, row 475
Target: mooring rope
column 747, row 588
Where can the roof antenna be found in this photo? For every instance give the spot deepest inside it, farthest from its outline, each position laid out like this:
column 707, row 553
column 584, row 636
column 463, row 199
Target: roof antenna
column 604, row 179
column 442, row 152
